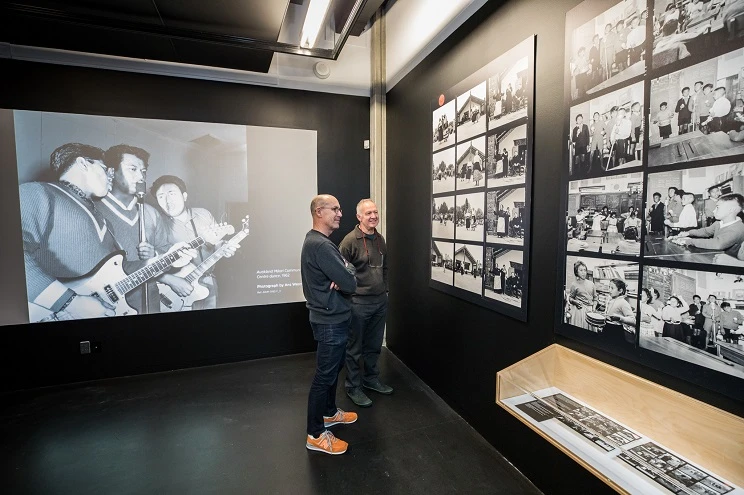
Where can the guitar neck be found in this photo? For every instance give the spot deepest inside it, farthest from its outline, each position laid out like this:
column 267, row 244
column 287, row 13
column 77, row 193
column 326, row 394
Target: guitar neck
column 214, row 258
column 155, row 269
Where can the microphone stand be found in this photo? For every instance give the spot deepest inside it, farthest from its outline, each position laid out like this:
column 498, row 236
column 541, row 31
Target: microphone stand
column 141, row 191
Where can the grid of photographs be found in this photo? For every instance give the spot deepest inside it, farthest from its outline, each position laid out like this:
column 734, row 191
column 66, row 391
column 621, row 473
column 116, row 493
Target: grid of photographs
column 654, row 179
column 481, row 163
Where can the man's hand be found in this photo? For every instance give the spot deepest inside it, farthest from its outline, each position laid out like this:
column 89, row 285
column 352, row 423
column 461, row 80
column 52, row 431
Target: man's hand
column 229, row 249
column 87, row 307
column 187, row 254
column 179, row 285
column 145, row 250
column 334, row 286
column 682, row 241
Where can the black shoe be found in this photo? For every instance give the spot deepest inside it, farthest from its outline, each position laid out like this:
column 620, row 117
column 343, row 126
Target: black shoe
column 378, row 387
column 358, row 397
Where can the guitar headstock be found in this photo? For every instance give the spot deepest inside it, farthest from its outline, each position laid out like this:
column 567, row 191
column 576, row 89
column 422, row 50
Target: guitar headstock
column 246, row 224
column 213, row 234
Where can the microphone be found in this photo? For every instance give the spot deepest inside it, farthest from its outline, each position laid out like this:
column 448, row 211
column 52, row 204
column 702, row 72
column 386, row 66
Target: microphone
column 141, row 191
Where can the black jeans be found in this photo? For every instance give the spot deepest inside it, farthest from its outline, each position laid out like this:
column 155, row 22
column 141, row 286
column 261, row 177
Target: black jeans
column 365, row 341
column 331, row 340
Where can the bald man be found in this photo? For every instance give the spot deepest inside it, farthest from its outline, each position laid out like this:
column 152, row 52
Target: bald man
column 328, row 281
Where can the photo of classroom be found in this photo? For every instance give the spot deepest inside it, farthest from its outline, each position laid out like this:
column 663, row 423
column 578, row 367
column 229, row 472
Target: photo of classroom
column 505, row 216
column 605, row 215
column 697, row 112
column 695, row 215
column 504, row 275
column 443, row 120
column 606, row 133
column 601, row 296
column 471, row 109
column 441, row 261
column 469, row 217
column 507, row 90
column 443, row 217
column 468, row 262
column 608, row 50
column 694, row 28
column 507, row 156
column 695, row 316
column 443, row 171
column 470, row 165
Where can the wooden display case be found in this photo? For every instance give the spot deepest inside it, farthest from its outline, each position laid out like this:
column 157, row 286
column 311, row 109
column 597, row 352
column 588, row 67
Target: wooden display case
column 709, row 438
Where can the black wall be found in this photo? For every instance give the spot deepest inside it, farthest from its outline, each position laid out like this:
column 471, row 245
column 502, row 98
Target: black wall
column 43, row 354
column 454, row 346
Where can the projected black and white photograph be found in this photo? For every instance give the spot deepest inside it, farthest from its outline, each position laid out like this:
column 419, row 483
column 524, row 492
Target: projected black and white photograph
column 468, row 263
column 471, row 112
column 442, row 266
column 695, row 215
column 508, row 88
column 443, row 171
column 605, row 215
column 469, row 217
column 504, row 277
column 506, row 164
column 91, row 186
column 471, row 164
column 601, row 296
column 443, row 217
column 505, row 211
column 698, row 112
column 695, row 316
column 608, row 49
column 606, row 133
column 443, row 121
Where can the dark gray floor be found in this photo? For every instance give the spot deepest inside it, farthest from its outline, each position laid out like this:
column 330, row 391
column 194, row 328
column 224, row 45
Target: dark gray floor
column 240, row 428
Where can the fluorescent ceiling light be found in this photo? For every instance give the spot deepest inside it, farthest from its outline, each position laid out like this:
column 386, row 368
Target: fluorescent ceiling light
column 316, row 14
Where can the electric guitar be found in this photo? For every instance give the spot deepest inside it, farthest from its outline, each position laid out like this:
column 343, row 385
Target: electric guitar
column 108, row 283
column 171, row 302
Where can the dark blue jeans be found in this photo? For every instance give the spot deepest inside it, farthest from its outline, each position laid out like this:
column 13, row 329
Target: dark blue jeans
column 365, row 341
column 332, row 340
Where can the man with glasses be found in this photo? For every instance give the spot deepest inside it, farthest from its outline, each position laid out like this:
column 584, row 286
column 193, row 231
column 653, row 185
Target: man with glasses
column 327, row 283
column 365, row 248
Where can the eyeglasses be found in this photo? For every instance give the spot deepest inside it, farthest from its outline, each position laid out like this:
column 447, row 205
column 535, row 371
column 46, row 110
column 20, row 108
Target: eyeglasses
column 336, row 209
column 379, row 251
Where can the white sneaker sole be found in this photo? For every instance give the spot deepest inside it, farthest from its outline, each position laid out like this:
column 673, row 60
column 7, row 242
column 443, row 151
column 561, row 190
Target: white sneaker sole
column 339, row 423
column 318, row 449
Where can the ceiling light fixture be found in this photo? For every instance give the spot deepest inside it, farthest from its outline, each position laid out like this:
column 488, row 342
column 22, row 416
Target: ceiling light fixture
column 316, row 14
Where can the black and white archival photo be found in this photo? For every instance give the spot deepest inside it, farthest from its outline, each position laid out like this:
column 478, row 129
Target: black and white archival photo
column 605, row 215
column 608, row 49
column 695, row 29
column 601, row 296
column 508, row 88
column 695, row 215
column 507, row 157
column 469, row 217
column 504, row 277
column 469, row 267
column 123, row 216
column 606, row 133
column 695, row 316
column 470, row 165
column 443, row 122
column 443, row 171
column 505, row 213
column 698, row 112
column 443, row 217
column 471, row 113
column 442, row 255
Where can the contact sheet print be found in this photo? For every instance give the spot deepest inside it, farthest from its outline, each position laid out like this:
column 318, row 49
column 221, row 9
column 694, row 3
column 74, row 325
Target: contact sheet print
column 653, row 179
column 481, row 166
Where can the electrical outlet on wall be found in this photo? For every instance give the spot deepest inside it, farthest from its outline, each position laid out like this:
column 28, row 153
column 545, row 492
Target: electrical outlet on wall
column 366, row 144
column 84, row 347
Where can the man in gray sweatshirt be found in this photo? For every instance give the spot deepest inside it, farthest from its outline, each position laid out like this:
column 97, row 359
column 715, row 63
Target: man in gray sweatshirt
column 327, row 281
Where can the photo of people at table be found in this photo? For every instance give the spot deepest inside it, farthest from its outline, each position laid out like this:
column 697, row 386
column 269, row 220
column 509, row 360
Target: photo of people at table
column 695, row 215
column 443, row 217
column 606, row 218
column 505, row 216
column 504, row 275
column 508, row 90
column 470, row 166
column 693, row 29
column 600, row 296
column 608, row 49
column 442, row 266
column 693, row 315
column 469, row 217
column 697, row 112
column 606, row 133
column 507, row 157
column 443, row 171
column 471, row 113
column 443, row 120
column 468, row 263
